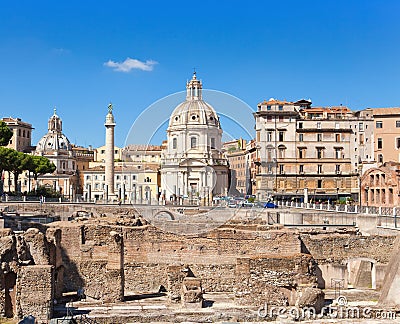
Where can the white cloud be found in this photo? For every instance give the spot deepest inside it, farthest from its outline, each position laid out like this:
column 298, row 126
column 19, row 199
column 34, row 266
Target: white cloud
column 130, row 64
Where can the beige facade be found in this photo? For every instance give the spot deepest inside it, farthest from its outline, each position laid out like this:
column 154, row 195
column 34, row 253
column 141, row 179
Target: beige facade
column 387, row 134
column 142, row 153
column 84, row 156
column 252, row 161
column 311, row 153
column 22, row 134
column 134, row 183
column 235, row 152
column 100, row 154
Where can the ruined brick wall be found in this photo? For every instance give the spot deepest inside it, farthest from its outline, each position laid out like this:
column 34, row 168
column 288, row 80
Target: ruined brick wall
column 338, row 248
column 38, row 246
column 71, row 241
column 35, row 293
column 93, row 260
column 148, row 251
column 272, row 279
column 211, row 256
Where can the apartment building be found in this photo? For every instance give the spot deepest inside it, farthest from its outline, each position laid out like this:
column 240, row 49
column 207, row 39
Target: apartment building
column 22, row 134
column 134, row 183
column 311, row 153
column 387, row 134
column 236, row 154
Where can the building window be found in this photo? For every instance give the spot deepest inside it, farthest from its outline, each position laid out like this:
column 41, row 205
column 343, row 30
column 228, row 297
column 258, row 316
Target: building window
column 212, row 142
column 337, row 125
column 337, row 153
column 319, row 125
column 281, row 169
column 134, row 177
column 337, row 138
column 268, row 107
column 269, row 136
column 193, row 142
column 337, row 168
column 301, row 153
column 301, row 168
column 361, row 139
column 397, row 123
column 319, row 184
column 117, row 177
column 380, row 144
column 380, row 158
column 269, row 168
column 281, row 152
column 103, row 151
column 300, row 125
column 398, row 142
column 269, row 118
column 301, row 137
column 269, row 154
column 319, row 137
column 319, row 168
column 379, row 124
column 281, row 136
column 280, row 108
column 319, row 153
column 361, row 127
column 174, row 143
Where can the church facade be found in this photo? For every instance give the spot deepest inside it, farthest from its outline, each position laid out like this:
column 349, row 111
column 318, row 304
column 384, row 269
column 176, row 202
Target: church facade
column 193, row 167
column 57, row 148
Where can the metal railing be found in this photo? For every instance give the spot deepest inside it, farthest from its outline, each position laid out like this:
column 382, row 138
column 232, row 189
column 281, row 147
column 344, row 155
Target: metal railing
column 388, row 217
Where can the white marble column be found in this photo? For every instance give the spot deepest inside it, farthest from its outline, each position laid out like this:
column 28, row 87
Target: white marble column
column 109, row 167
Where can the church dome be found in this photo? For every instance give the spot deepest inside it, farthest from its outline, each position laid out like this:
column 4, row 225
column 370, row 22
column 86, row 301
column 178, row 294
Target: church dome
column 194, row 110
column 54, row 140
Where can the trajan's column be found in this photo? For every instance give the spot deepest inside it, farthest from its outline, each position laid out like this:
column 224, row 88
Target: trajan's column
column 109, row 169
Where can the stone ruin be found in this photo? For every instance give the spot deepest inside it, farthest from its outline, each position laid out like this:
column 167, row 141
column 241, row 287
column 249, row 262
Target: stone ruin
column 108, row 258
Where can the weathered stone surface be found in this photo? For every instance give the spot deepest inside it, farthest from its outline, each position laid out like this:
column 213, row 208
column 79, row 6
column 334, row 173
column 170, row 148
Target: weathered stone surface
column 38, row 246
column 272, row 279
column 310, row 297
column 339, row 247
column 192, row 293
column 35, row 292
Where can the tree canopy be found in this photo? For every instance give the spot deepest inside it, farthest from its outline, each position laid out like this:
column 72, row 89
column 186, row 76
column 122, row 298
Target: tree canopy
column 16, row 162
column 5, row 133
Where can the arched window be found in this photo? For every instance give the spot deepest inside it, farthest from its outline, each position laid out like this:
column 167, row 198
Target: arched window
column 174, row 143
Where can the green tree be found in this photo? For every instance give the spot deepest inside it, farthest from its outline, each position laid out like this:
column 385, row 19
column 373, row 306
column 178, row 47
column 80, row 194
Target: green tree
column 4, row 158
column 8, row 159
column 5, row 134
column 41, row 165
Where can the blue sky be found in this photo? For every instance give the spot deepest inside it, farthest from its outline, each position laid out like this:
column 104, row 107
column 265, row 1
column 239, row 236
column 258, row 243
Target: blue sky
column 53, row 53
